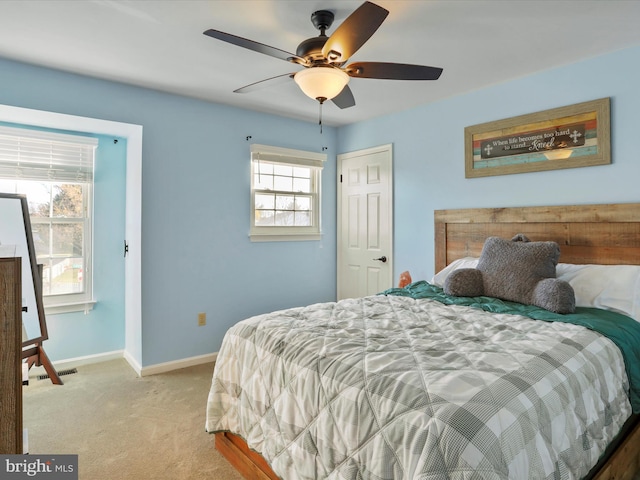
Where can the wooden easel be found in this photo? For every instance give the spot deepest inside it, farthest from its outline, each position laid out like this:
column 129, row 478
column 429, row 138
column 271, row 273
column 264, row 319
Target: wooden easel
column 36, row 355
column 15, row 215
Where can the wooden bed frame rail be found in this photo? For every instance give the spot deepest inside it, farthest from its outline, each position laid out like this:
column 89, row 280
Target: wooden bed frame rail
column 248, row 463
column 624, row 463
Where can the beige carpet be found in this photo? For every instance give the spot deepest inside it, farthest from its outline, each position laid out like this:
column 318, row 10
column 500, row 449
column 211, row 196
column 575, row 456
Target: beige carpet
column 125, row 427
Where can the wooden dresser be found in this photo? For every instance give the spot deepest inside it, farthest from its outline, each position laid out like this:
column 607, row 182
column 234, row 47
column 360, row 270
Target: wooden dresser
column 10, row 356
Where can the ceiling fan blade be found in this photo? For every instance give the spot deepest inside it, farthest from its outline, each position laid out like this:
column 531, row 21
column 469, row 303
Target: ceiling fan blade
column 255, row 46
column 345, row 98
column 392, row 71
column 267, row 82
column 354, row 32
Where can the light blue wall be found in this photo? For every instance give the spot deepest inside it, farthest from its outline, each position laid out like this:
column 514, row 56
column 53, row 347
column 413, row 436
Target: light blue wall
column 428, row 148
column 102, row 328
column 196, row 254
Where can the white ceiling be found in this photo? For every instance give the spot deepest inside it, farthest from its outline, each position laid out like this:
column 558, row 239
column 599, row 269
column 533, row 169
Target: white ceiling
column 159, row 44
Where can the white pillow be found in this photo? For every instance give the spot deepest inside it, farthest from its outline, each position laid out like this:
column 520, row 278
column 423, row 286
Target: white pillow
column 466, row 262
column 610, row 287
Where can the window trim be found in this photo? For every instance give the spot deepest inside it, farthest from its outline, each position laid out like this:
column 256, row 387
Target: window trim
column 292, row 157
column 74, row 302
column 70, row 160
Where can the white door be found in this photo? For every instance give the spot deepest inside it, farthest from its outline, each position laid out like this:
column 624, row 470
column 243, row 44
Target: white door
column 365, row 222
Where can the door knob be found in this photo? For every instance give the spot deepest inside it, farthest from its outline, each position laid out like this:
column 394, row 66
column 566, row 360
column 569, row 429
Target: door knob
column 383, row 259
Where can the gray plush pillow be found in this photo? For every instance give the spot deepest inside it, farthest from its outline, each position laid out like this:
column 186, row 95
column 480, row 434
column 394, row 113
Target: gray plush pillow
column 517, row 270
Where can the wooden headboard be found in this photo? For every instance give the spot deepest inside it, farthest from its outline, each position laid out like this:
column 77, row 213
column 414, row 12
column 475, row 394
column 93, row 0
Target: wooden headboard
column 602, row 234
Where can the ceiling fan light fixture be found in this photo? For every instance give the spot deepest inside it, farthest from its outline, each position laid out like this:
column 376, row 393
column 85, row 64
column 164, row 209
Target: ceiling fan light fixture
column 321, row 82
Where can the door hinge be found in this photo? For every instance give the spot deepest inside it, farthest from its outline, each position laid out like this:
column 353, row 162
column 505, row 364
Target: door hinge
column 340, row 178
column 126, row 248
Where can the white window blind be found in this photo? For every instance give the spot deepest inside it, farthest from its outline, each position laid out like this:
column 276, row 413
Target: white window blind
column 316, row 160
column 38, row 155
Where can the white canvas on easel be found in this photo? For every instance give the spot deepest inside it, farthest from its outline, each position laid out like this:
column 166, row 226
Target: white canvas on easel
column 9, row 251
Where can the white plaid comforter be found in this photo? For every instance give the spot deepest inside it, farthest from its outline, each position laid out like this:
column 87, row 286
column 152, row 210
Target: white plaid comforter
column 388, row 387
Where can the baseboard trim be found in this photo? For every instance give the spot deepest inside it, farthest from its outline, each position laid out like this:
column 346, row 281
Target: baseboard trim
column 133, row 363
column 178, row 364
column 78, row 361
column 140, row 370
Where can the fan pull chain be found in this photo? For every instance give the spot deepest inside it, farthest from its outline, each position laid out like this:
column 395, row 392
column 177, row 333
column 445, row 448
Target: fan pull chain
column 320, row 117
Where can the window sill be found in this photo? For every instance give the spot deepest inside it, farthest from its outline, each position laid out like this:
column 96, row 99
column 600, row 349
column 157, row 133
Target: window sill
column 69, row 307
column 262, row 237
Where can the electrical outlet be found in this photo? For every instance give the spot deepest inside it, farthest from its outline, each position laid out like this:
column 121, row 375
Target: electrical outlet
column 202, row 319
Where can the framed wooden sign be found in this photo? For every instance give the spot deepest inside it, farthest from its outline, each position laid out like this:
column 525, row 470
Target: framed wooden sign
column 566, row 137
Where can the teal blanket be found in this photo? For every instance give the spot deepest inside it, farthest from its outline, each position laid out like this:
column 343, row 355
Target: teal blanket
column 622, row 330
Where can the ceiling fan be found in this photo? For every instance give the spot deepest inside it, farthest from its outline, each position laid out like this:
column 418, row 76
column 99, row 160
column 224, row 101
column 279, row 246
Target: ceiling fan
column 326, row 74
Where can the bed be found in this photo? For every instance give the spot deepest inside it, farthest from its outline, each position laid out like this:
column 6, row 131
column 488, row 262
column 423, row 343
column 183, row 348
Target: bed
column 331, row 414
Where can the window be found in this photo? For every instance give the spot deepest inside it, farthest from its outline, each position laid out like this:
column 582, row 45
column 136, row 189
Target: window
column 55, row 172
column 285, row 194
